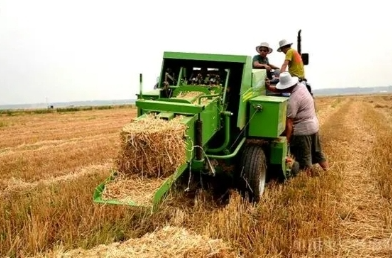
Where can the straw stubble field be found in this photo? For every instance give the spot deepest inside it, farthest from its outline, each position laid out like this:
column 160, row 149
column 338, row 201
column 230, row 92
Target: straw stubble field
column 51, row 163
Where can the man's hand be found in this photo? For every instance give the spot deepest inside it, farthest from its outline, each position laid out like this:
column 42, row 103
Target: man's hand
column 284, row 66
column 267, row 83
column 267, row 67
column 269, row 87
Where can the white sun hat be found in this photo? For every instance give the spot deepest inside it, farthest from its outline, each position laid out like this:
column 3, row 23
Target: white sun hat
column 286, row 81
column 283, row 43
column 264, row 44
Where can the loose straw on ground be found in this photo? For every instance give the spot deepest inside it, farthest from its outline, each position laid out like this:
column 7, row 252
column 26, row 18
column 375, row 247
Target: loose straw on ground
column 132, row 188
column 170, row 242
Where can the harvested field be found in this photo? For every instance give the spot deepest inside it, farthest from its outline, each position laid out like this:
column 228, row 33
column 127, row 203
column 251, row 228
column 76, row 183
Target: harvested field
column 51, row 163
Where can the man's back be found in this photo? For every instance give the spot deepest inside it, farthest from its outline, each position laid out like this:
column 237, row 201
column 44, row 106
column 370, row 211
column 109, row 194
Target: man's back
column 301, row 109
column 296, row 66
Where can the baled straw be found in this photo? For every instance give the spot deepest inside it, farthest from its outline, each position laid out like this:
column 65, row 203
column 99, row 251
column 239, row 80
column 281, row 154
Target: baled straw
column 152, row 147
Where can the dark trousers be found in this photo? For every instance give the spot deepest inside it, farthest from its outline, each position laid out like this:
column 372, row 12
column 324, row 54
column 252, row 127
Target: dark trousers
column 307, row 150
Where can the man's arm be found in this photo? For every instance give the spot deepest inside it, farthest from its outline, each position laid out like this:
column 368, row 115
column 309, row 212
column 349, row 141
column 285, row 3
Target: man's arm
column 287, row 59
column 269, row 87
column 292, row 110
column 273, row 66
column 289, row 129
column 256, row 64
column 284, row 66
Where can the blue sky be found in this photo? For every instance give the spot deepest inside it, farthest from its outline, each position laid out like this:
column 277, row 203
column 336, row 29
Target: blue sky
column 87, row 50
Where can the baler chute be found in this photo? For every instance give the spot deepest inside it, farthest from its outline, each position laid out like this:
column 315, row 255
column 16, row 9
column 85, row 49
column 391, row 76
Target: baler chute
column 228, row 117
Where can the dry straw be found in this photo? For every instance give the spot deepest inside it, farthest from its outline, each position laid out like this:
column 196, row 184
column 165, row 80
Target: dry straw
column 152, row 147
column 151, row 150
column 170, row 242
column 131, row 188
column 189, row 95
column 192, row 96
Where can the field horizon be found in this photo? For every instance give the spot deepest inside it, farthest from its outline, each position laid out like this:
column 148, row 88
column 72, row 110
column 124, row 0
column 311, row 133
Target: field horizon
column 325, row 92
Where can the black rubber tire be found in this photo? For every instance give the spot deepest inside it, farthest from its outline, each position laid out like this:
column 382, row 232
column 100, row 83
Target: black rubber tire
column 253, row 172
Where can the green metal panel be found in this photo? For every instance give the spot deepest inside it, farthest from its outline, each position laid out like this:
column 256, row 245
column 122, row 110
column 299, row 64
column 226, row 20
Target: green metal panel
column 211, row 121
column 258, row 80
column 174, row 100
column 257, row 86
column 149, row 95
column 183, row 108
column 278, row 150
column 190, row 133
column 205, row 57
column 165, row 187
column 244, row 92
column 270, row 121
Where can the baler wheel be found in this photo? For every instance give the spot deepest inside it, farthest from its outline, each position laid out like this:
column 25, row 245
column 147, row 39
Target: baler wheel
column 254, row 170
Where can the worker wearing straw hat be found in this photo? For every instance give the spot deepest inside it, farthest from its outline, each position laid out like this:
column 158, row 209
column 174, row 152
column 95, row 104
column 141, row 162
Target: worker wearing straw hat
column 302, row 125
column 261, row 60
column 293, row 60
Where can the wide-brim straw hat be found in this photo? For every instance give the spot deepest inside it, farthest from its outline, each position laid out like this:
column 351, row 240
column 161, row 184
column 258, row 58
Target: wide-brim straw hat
column 286, row 81
column 283, row 43
column 264, row 44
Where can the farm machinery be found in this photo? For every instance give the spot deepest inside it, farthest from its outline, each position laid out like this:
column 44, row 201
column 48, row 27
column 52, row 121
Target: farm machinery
column 230, row 122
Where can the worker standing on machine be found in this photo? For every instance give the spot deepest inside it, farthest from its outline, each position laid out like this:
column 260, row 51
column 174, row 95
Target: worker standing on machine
column 302, row 125
column 293, row 61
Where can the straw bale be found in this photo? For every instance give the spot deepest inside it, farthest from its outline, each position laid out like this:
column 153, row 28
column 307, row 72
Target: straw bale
column 152, row 147
column 168, row 242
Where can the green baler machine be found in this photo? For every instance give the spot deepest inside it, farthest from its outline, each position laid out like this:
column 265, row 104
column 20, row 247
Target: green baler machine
column 232, row 121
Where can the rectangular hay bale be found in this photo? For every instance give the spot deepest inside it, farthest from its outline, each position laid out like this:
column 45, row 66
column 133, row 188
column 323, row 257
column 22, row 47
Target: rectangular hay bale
column 151, row 151
column 152, row 147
